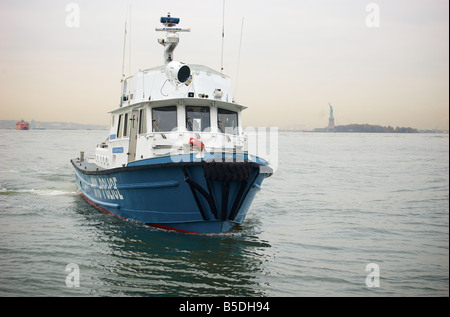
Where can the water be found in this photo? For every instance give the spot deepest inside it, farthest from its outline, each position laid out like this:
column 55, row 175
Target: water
column 337, row 203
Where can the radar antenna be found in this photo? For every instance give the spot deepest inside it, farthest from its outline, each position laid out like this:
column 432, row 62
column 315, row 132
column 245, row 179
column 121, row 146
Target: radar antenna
column 171, row 41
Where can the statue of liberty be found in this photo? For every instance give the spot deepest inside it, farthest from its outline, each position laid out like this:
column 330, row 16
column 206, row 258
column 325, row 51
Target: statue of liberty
column 331, row 120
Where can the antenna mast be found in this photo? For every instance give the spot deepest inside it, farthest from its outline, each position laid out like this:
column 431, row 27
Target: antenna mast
column 129, row 49
column 223, row 35
column 239, row 60
column 124, row 46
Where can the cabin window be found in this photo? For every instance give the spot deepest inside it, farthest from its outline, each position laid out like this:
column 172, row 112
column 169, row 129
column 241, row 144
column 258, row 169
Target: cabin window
column 197, row 119
column 119, row 127
column 125, row 125
column 227, row 121
column 164, row 119
column 142, row 121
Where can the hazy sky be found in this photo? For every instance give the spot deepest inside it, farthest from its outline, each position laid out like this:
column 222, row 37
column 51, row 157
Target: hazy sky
column 296, row 57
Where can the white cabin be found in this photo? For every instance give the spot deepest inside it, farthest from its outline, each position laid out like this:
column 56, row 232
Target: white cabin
column 158, row 116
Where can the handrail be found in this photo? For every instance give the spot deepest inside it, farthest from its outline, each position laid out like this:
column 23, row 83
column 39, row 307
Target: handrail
column 241, row 138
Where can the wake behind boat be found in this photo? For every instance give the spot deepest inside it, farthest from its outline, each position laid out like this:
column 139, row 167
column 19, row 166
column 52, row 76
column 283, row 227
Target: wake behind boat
column 176, row 153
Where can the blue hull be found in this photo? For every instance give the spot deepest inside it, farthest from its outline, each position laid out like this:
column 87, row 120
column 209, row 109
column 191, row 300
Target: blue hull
column 198, row 196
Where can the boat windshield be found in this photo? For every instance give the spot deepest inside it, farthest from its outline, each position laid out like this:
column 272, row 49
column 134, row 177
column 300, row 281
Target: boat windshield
column 227, row 121
column 164, row 119
column 197, row 119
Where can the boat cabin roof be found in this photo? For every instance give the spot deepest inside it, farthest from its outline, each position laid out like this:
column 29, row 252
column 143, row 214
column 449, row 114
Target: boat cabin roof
column 205, row 87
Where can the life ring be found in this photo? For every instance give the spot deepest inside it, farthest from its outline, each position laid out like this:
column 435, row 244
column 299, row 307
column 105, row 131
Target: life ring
column 197, row 144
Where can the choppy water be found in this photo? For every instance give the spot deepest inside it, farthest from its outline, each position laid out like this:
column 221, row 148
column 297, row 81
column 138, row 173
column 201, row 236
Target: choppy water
column 337, row 203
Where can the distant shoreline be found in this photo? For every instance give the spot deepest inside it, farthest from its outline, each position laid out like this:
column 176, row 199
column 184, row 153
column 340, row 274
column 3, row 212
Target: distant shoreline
column 368, row 128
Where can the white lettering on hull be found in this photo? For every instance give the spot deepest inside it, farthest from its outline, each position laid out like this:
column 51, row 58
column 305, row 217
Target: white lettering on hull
column 106, row 188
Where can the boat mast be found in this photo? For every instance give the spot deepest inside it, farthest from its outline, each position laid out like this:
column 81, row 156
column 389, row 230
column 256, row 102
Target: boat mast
column 223, row 35
column 239, row 61
column 122, row 79
column 124, row 46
